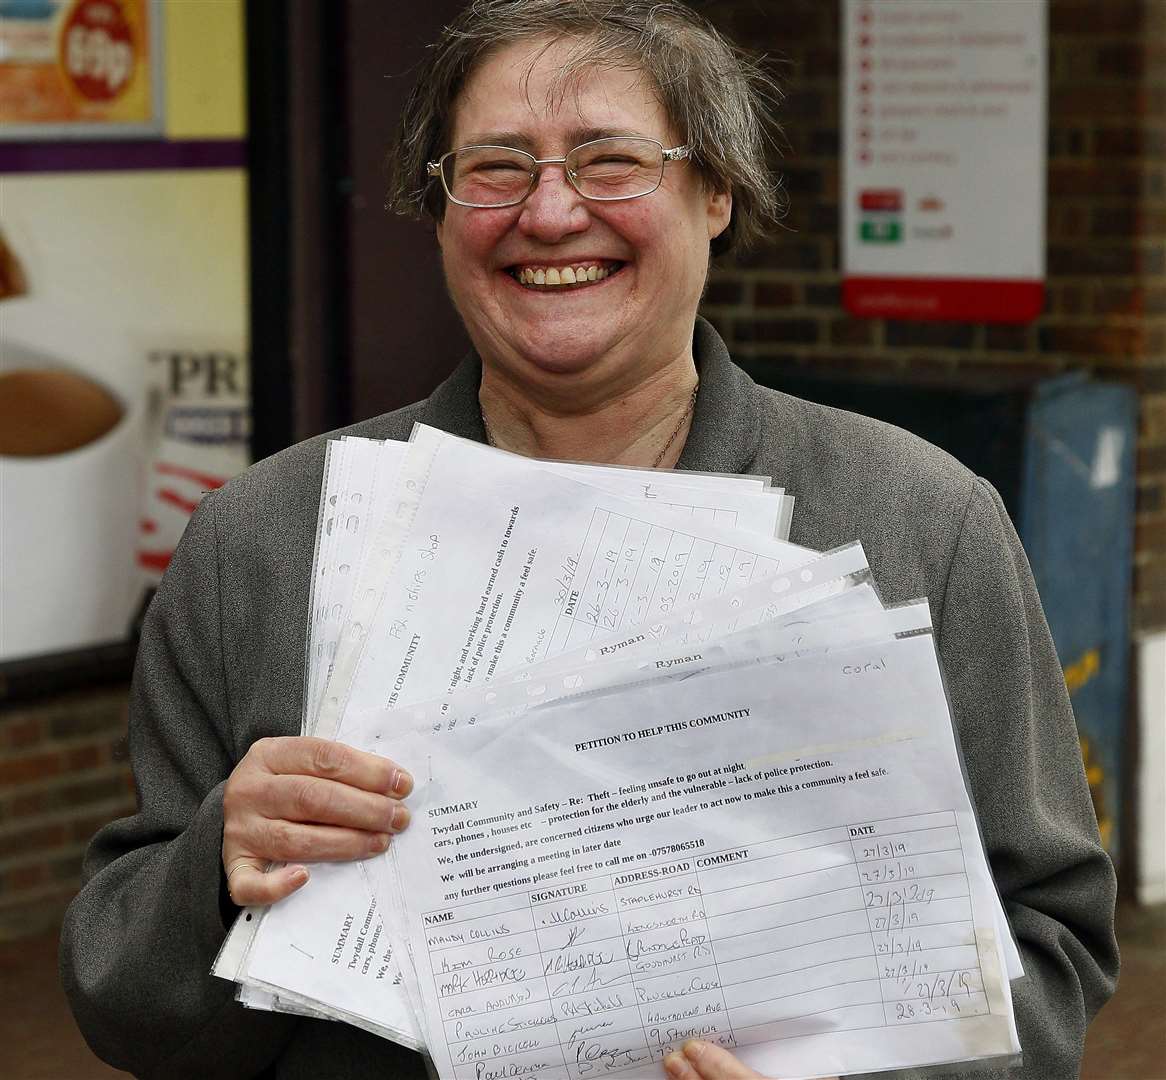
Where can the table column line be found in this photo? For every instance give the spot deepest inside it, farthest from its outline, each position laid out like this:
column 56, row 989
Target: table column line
column 582, row 547
column 595, row 625
column 546, row 981
column 631, row 974
column 713, row 950
column 972, row 913
column 866, row 911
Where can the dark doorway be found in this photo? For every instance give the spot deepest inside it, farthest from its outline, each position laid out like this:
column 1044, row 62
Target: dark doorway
column 349, row 312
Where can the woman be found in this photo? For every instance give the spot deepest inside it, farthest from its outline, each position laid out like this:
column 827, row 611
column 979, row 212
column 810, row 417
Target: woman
column 581, row 161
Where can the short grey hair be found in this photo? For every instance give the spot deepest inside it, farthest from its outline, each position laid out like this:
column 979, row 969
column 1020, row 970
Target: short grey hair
column 718, row 98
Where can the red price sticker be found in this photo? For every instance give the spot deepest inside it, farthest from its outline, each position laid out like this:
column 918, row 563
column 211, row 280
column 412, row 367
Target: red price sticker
column 97, row 49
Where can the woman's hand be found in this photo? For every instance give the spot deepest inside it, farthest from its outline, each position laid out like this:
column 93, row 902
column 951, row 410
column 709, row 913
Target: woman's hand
column 301, row 799
column 699, row 1060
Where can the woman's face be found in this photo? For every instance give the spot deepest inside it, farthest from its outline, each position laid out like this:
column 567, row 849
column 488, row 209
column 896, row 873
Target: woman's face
column 614, row 331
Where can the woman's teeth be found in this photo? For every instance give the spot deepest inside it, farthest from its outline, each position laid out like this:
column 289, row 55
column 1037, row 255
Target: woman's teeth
column 562, row 275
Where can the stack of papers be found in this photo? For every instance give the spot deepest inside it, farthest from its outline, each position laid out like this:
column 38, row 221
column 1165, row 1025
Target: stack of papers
column 675, row 777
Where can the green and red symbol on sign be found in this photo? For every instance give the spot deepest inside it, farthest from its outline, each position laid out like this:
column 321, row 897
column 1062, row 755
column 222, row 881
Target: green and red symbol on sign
column 880, row 223
column 886, row 231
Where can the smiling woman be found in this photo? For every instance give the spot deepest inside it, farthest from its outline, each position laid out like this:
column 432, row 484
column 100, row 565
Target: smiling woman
column 581, row 166
column 582, row 161
column 615, row 351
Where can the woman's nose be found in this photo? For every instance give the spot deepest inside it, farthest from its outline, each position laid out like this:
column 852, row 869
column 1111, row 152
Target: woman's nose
column 554, row 209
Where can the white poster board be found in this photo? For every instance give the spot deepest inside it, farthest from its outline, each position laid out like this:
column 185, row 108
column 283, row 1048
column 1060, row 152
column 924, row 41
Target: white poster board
column 121, row 266
column 943, row 152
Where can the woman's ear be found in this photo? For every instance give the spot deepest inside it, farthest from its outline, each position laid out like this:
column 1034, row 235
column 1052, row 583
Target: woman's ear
column 720, row 211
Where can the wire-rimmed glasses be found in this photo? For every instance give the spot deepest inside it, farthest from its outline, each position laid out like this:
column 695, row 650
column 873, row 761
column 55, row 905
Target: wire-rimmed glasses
column 606, row 170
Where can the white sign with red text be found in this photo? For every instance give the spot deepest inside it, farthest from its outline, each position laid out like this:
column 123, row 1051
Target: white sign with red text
column 198, row 431
column 943, row 149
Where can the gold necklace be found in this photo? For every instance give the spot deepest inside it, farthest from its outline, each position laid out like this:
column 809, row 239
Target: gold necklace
column 676, row 430
column 659, row 457
column 489, row 431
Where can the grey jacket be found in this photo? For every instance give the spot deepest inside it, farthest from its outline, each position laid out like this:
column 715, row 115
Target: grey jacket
column 221, row 664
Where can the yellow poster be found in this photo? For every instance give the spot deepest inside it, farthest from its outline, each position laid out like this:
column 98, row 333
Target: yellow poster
column 78, row 68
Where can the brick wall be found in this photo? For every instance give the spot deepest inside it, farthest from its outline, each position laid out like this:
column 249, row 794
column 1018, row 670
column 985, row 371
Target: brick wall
column 1106, row 297
column 63, row 774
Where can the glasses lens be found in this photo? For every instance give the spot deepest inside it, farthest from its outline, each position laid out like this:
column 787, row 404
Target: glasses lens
column 487, row 175
column 617, row 168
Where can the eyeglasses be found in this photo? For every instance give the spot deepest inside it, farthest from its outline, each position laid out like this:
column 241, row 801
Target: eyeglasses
column 606, row 170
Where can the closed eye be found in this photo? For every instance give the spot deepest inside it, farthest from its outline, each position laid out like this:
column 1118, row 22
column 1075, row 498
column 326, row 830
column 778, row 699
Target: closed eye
column 498, row 166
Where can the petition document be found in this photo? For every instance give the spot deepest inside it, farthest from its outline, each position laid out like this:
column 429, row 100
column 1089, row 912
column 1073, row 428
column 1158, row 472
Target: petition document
column 779, row 857
column 492, row 564
column 501, row 558
column 294, row 952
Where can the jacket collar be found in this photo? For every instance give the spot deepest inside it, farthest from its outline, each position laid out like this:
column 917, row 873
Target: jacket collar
column 726, row 424
column 453, row 406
